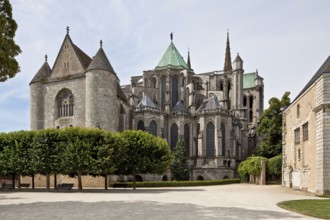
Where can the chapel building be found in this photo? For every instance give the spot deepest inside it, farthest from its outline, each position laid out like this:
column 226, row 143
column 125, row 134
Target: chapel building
column 215, row 113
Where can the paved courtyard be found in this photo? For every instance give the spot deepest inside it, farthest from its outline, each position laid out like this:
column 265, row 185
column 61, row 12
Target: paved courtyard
column 237, row 201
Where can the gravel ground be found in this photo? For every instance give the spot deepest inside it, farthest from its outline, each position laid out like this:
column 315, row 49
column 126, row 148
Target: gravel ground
column 236, row 201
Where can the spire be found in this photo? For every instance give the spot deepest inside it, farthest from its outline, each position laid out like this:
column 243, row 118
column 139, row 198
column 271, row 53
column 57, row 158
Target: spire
column 101, row 62
column 227, row 67
column 188, row 60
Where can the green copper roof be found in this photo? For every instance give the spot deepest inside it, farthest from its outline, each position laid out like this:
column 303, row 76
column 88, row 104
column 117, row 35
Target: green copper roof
column 248, row 80
column 172, row 58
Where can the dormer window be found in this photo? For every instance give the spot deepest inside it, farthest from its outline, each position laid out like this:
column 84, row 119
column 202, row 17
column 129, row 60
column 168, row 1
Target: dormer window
column 66, row 65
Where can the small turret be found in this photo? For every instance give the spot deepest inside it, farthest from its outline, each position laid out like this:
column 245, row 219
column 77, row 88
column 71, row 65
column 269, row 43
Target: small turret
column 238, row 63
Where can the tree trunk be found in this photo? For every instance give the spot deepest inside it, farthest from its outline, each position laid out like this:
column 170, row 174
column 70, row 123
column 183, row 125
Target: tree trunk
column 55, row 181
column 105, row 182
column 79, row 181
column 19, row 182
column 32, row 181
column 48, row 182
column 13, row 179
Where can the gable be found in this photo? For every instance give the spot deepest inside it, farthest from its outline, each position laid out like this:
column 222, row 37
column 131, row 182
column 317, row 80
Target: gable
column 70, row 60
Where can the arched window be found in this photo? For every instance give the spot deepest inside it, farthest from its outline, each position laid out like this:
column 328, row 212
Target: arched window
column 140, row 125
column 187, row 138
column 163, row 92
column 221, row 85
column 153, row 128
column 153, row 82
column 223, row 139
column 175, row 92
column 64, row 102
column 244, row 101
column 174, row 135
column 210, row 140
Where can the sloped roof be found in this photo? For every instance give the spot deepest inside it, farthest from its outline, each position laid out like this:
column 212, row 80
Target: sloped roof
column 249, row 80
column 100, row 62
column 179, row 107
column 42, row 74
column 172, row 58
column 238, row 58
column 146, row 102
column 85, row 60
column 208, row 104
column 325, row 68
column 120, row 93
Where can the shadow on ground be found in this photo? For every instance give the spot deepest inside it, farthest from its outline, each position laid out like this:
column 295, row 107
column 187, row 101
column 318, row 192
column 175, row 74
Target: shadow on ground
column 131, row 210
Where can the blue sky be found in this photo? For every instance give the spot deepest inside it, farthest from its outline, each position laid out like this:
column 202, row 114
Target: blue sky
column 286, row 40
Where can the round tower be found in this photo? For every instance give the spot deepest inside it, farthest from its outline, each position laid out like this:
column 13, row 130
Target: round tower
column 102, row 109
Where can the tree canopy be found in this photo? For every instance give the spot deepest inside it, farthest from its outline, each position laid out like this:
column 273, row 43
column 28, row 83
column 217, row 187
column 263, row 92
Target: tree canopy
column 180, row 168
column 270, row 128
column 9, row 66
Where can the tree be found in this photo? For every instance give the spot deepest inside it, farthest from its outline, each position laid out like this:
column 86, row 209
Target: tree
column 139, row 152
column 270, row 128
column 274, row 167
column 180, row 169
column 250, row 166
column 8, row 48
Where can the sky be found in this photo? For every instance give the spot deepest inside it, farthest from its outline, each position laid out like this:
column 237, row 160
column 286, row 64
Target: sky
column 286, row 40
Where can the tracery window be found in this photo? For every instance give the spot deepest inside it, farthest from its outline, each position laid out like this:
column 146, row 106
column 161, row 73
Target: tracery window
column 65, row 102
column 163, row 81
column 175, row 92
column 223, row 139
column 186, row 138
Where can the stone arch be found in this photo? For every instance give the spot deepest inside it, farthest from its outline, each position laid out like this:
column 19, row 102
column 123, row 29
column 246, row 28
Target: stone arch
column 210, row 143
column 164, row 178
column 140, row 125
column 200, row 178
column 138, row 178
column 174, row 135
column 153, row 82
column 64, row 103
column 153, row 127
column 198, row 83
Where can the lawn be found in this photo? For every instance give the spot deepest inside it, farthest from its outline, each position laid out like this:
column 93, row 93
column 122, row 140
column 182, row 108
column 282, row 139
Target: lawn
column 317, row 208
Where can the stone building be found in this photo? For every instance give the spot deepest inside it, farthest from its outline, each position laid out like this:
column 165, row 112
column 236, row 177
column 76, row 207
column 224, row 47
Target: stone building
column 306, row 136
column 215, row 113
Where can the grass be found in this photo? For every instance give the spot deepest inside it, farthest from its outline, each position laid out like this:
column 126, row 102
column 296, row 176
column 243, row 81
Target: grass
column 181, row 183
column 312, row 207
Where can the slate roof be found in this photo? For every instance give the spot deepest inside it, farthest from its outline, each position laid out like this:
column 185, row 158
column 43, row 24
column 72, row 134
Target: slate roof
column 238, row 58
column 100, row 62
column 42, row 74
column 179, row 107
column 325, row 68
column 172, row 58
column 120, row 93
column 85, row 60
column 146, row 102
column 208, row 104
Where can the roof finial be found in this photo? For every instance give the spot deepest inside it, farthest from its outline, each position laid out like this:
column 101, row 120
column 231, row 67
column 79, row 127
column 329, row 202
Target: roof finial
column 46, row 57
column 67, row 30
column 171, row 35
column 101, row 43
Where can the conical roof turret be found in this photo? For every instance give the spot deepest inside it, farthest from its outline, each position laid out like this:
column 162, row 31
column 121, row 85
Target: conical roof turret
column 100, row 62
column 43, row 72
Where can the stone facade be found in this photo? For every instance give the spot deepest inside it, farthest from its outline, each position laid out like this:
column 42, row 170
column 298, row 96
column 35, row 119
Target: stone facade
column 215, row 113
column 306, row 129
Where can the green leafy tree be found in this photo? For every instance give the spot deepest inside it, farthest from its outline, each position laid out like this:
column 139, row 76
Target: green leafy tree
column 8, row 48
column 274, row 167
column 139, row 152
column 78, row 153
column 250, row 166
column 180, row 169
column 270, row 128
column 103, row 155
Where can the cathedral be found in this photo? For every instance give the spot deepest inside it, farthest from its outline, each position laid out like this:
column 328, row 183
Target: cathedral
column 215, row 113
